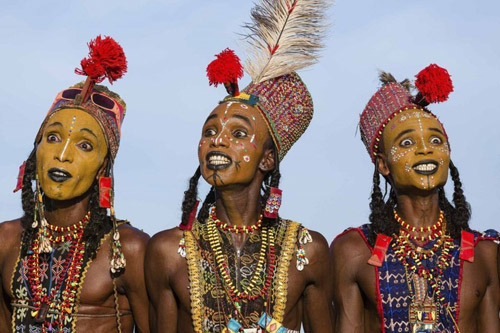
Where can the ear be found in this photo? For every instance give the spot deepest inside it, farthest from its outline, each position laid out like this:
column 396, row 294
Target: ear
column 382, row 165
column 267, row 162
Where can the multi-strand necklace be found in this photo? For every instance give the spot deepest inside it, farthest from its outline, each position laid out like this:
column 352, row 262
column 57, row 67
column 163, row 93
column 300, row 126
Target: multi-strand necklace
column 423, row 309
column 62, row 296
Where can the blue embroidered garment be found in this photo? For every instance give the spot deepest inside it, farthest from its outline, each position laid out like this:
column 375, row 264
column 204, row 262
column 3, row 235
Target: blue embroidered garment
column 395, row 297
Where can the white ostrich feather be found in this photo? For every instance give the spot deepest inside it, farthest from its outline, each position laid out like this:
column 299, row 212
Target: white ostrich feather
column 294, row 29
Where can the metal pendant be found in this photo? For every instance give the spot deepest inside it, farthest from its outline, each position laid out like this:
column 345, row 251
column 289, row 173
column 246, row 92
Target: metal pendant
column 423, row 317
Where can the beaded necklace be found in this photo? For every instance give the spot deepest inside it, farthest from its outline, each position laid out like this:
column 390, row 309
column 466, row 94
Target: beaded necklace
column 236, row 229
column 72, row 231
column 434, row 231
column 412, row 261
column 62, row 296
column 267, row 245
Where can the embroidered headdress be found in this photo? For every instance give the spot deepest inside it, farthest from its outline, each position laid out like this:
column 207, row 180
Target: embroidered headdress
column 433, row 84
column 285, row 36
column 106, row 59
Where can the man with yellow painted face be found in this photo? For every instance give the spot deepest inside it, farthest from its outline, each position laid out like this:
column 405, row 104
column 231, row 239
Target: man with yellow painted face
column 417, row 267
column 62, row 265
column 238, row 266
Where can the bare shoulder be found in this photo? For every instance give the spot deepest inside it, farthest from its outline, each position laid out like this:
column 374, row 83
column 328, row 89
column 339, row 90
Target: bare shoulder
column 10, row 234
column 349, row 243
column 318, row 248
column 487, row 252
column 163, row 248
column 133, row 240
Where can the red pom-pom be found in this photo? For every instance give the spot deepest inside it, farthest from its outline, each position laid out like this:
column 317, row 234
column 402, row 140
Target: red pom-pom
column 225, row 69
column 106, row 60
column 434, row 83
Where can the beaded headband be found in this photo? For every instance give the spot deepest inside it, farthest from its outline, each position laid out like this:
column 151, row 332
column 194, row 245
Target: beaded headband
column 434, row 86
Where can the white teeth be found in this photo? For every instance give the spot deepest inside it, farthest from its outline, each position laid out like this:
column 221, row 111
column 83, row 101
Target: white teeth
column 425, row 167
column 218, row 160
column 59, row 173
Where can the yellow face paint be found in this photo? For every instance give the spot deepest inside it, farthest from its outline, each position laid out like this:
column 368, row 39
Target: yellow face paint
column 417, row 150
column 71, row 152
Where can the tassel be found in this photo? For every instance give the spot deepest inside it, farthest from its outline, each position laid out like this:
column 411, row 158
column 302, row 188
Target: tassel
column 20, row 177
column 273, row 203
column 105, row 192
column 467, row 246
column 380, row 249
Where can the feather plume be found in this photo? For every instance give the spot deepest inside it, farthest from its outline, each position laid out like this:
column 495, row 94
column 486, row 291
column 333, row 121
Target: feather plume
column 285, row 36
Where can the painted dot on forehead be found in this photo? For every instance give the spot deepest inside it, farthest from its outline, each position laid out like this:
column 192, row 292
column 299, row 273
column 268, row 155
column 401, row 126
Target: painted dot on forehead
column 72, row 125
column 246, row 158
column 244, row 106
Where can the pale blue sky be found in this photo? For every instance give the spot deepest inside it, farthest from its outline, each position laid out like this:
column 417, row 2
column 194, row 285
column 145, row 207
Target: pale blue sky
column 327, row 174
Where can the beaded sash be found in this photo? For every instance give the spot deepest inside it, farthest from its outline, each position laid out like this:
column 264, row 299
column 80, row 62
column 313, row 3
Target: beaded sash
column 393, row 294
column 209, row 304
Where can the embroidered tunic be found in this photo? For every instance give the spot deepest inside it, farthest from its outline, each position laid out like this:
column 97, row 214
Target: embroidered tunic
column 210, row 305
column 52, row 274
column 393, row 294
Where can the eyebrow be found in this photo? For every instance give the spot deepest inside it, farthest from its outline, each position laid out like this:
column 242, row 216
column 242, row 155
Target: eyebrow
column 403, row 133
column 89, row 131
column 212, row 116
column 244, row 118
column 434, row 129
column 55, row 124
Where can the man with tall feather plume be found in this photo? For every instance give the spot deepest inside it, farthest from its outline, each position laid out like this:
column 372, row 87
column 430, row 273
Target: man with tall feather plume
column 236, row 265
column 417, row 266
column 62, row 265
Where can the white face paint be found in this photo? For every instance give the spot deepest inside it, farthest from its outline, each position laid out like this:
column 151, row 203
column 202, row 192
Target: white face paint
column 63, row 151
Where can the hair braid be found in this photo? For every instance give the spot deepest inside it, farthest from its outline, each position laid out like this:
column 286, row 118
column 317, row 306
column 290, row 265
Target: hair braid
column 28, row 201
column 190, row 197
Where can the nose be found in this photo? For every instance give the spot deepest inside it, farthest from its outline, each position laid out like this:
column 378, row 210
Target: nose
column 423, row 148
column 221, row 140
column 66, row 153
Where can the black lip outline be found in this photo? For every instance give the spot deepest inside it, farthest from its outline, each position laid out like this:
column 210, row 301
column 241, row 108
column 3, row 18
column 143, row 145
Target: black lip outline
column 426, row 173
column 218, row 166
column 58, row 179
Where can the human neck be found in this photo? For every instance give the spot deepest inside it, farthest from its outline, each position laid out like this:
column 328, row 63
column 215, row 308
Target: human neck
column 419, row 210
column 239, row 205
column 67, row 212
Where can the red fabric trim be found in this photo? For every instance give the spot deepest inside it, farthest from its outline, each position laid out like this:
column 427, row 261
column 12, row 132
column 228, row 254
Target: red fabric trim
column 481, row 238
column 457, row 311
column 380, row 309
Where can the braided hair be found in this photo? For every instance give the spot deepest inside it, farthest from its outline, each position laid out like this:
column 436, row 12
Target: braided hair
column 271, row 179
column 99, row 222
column 382, row 217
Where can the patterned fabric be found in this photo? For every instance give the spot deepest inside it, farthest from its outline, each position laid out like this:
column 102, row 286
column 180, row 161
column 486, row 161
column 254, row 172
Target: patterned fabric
column 52, row 265
column 386, row 103
column 285, row 104
column 110, row 122
column 394, row 297
column 210, row 306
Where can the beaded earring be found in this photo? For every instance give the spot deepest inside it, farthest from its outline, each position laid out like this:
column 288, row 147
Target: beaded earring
column 43, row 236
column 273, row 203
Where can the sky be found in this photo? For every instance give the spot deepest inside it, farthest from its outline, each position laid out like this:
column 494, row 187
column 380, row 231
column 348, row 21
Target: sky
column 327, row 175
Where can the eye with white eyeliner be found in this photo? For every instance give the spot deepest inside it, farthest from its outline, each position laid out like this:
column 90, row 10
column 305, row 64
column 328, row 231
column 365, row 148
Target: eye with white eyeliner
column 53, row 138
column 406, row 143
column 85, row 146
column 240, row 134
column 436, row 140
column 210, row 132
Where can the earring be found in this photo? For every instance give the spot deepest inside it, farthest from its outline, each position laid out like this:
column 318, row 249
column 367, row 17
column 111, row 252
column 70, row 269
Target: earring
column 273, row 203
column 43, row 236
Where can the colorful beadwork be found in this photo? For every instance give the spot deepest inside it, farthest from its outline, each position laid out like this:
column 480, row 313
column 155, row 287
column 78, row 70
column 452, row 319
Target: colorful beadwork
column 434, row 231
column 236, row 229
column 266, row 255
column 273, row 203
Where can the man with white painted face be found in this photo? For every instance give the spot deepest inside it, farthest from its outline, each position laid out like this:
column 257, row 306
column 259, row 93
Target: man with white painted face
column 238, row 266
column 62, row 265
column 417, row 267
